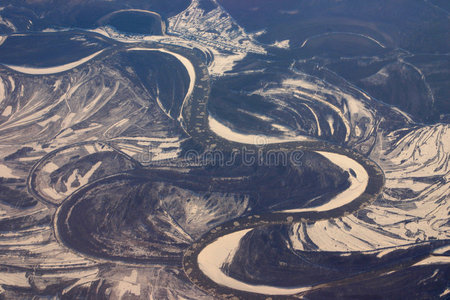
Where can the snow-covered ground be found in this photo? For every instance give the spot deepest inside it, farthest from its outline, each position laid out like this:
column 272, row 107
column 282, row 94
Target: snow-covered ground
column 413, row 207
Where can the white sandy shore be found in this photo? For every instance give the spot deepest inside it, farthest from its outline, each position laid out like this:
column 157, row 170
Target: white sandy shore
column 220, row 252
column 53, row 70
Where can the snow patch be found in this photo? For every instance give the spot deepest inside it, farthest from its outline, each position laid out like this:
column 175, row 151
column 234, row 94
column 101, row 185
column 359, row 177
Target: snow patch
column 129, row 285
column 7, row 112
column 228, row 134
column 6, row 172
column 282, row 44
